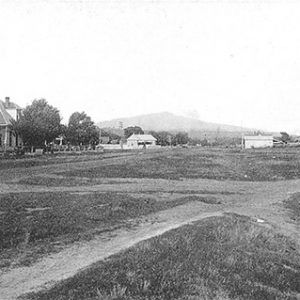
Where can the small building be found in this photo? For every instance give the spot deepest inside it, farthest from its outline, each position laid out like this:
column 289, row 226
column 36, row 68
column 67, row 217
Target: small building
column 258, row 141
column 137, row 141
column 9, row 111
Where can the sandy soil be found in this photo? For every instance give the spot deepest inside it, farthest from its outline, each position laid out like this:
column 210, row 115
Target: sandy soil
column 261, row 200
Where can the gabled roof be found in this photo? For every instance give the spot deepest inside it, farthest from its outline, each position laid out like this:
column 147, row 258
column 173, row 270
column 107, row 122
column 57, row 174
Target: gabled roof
column 141, row 137
column 5, row 117
column 11, row 105
column 258, row 137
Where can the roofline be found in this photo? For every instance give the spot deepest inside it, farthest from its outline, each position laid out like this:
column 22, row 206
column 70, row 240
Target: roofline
column 258, row 137
column 6, row 116
column 15, row 106
column 138, row 137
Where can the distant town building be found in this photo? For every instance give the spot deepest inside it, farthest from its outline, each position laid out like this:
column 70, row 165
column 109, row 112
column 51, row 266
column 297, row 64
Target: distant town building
column 136, row 141
column 258, row 141
column 8, row 111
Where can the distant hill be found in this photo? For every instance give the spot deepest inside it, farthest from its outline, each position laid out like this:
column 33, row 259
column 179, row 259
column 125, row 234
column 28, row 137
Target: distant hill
column 166, row 121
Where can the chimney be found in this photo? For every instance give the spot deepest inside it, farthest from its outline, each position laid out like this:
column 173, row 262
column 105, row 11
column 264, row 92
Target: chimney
column 7, row 101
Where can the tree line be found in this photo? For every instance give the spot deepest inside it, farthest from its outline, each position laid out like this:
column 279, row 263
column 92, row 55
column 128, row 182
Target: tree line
column 40, row 124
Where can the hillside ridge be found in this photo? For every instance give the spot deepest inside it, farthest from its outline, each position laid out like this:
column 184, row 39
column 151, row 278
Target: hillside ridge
column 166, row 121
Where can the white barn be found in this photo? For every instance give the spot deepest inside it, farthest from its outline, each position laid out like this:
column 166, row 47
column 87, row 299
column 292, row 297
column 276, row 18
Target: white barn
column 136, row 141
column 258, row 141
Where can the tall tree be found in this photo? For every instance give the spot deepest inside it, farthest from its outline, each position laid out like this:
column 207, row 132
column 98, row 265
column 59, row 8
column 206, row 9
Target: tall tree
column 38, row 123
column 82, row 130
column 132, row 130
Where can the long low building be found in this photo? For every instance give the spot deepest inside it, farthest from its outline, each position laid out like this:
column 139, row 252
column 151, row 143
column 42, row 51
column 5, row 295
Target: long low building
column 258, row 141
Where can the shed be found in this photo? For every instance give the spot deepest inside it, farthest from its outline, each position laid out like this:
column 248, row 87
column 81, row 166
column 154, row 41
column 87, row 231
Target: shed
column 258, row 141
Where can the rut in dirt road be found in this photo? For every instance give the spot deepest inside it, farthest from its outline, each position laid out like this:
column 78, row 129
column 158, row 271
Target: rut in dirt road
column 68, row 262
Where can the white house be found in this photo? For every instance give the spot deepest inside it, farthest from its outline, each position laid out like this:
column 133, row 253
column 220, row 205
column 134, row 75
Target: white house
column 136, row 141
column 258, row 141
column 8, row 138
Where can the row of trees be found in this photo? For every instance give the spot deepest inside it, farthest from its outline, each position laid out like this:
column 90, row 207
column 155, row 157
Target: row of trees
column 40, row 123
column 165, row 138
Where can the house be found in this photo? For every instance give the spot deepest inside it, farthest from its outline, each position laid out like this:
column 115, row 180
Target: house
column 8, row 111
column 258, row 141
column 137, row 141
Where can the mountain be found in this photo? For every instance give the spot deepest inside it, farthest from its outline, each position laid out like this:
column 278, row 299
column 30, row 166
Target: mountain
column 166, row 121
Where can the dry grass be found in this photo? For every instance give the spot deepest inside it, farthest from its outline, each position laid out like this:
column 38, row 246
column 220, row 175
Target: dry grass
column 227, row 257
column 210, row 163
column 33, row 224
column 293, row 205
column 59, row 158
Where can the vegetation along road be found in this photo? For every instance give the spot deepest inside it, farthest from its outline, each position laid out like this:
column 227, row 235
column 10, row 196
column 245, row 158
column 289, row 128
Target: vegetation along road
column 61, row 216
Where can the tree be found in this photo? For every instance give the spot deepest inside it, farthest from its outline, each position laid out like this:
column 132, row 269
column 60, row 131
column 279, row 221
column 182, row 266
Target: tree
column 81, row 130
column 164, row 138
column 285, row 137
column 38, row 124
column 132, row 130
column 181, row 138
column 110, row 136
column 258, row 132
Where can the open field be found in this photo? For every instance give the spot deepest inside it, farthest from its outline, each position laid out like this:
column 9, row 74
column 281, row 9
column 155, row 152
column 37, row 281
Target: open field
column 253, row 165
column 175, row 164
column 60, row 214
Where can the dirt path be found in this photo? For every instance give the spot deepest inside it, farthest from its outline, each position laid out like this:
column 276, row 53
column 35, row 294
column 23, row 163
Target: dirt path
column 66, row 263
column 255, row 199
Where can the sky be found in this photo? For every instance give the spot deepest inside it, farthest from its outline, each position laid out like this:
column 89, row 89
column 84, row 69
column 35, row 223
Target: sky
column 231, row 62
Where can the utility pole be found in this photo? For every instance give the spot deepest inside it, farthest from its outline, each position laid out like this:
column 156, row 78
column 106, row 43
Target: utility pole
column 242, row 136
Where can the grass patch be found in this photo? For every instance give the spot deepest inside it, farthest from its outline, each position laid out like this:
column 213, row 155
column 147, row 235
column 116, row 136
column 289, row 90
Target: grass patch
column 219, row 164
column 33, row 224
column 58, row 181
column 227, row 257
column 55, row 180
column 207, row 200
column 58, row 158
column 293, row 204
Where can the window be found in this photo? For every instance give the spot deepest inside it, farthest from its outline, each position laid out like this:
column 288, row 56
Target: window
column 10, row 139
